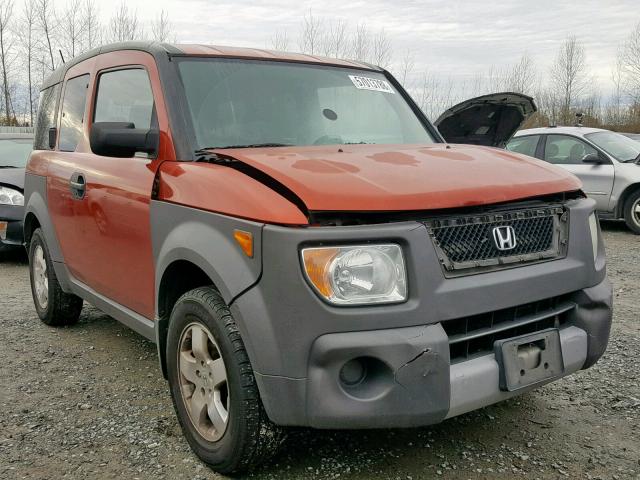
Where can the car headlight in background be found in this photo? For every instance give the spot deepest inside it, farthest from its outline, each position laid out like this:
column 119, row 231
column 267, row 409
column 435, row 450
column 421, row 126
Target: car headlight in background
column 593, row 227
column 357, row 275
column 9, row 196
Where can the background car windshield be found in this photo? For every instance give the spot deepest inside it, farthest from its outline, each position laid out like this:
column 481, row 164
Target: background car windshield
column 618, row 146
column 254, row 102
column 15, row 152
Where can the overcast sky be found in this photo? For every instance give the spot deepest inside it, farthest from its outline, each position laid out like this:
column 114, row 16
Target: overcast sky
column 458, row 38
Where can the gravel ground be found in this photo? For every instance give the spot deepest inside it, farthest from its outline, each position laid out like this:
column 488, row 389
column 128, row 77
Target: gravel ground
column 89, row 402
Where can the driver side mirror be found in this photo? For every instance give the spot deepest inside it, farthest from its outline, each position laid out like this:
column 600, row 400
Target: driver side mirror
column 593, row 158
column 122, row 139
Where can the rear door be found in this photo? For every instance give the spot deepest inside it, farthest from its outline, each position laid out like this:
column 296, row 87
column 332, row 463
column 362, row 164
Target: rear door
column 567, row 152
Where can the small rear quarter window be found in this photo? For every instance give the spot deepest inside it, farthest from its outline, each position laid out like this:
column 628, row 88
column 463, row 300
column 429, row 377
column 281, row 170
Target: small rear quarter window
column 47, row 117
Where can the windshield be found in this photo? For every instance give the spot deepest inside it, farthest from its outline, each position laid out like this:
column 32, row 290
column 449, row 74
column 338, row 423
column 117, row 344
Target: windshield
column 618, row 146
column 241, row 103
column 15, row 152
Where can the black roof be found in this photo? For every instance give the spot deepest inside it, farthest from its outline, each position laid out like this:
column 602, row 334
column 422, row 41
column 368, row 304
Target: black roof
column 153, row 48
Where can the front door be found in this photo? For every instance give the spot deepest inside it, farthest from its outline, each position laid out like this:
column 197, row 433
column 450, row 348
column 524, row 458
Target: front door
column 567, row 152
column 109, row 226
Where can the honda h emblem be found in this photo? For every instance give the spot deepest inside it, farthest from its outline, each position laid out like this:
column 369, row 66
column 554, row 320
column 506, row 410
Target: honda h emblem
column 504, row 237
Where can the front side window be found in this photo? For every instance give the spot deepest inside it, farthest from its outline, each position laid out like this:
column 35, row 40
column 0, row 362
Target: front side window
column 524, row 145
column 563, row 149
column 125, row 96
column 47, row 117
column 241, row 103
column 14, row 152
column 618, row 146
column 75, row 98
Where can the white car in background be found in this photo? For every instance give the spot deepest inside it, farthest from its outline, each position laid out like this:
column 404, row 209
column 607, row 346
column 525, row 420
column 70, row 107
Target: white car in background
column 605, row 161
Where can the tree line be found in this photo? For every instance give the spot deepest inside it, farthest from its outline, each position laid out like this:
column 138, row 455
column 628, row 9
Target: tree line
column 36, row 36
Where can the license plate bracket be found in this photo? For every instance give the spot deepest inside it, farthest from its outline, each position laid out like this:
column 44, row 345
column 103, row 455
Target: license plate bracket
column 529, row 359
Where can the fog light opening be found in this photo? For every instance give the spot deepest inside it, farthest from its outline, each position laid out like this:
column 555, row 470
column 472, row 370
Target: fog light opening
column 353, row 372
column 365, row 378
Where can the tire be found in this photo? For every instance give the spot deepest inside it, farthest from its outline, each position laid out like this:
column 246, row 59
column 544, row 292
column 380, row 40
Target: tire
column 55, row 307
column 632, row 212
column 246, row 438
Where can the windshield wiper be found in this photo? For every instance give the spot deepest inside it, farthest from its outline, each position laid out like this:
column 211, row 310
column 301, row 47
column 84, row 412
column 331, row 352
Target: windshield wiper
column 251, row 145
column 8, row 166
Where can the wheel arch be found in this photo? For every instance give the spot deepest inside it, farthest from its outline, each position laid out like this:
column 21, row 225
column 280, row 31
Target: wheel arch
column 193, row 248
column 626, row 193
column 31, row 223
column 178, row 278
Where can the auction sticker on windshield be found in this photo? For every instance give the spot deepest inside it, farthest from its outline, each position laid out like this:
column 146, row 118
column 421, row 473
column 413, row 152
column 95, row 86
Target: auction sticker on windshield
column 366, row 83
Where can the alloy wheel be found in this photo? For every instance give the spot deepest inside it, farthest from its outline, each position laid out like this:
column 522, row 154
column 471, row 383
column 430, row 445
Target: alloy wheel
column 40, row 278
column 203, row 382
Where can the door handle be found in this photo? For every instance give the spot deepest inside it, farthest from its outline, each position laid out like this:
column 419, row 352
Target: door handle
column 78, row 186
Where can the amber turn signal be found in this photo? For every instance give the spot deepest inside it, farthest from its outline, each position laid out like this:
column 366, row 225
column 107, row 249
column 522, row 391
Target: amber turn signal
column 245, row 240
column 316, row 264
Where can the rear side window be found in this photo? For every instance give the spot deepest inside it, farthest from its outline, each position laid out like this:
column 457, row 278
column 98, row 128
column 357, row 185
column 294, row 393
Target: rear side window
column 125, row 96
column 566, row 150
column 525, row 145
column 75, row 98
column 46, row 116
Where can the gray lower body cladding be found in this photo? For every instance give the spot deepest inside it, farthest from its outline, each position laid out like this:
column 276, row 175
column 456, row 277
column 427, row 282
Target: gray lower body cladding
column 298, row 344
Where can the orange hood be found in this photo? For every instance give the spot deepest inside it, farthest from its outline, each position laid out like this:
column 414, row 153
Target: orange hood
column 404, row 177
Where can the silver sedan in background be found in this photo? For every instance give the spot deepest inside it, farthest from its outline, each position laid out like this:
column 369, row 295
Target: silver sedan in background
column 607, row 162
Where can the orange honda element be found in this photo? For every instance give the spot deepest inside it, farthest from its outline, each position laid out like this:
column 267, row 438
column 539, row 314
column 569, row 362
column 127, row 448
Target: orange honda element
column 303, row 245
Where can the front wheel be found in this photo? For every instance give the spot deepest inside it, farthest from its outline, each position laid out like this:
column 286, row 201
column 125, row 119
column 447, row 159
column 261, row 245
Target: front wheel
column 213, row 388
column 632, row 212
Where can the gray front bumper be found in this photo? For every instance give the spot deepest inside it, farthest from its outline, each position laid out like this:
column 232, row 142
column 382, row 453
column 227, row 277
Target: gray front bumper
column 297, row 343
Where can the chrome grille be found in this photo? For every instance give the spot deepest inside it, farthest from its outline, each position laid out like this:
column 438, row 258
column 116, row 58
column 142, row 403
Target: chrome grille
column 475, row 335
column 467, row 242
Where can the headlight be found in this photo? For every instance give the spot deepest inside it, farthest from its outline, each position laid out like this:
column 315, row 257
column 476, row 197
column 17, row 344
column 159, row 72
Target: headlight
column 593, row 226
column 9, row 196
column 357, row 275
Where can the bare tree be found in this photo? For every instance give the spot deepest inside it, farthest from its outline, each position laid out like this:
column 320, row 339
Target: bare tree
column 406, row 66
column 6, row 21
column 522, row 78
column 630, row 60
column 569, row 75
column 72, row 26
column 46, row 16
column 335, row 41
column 361, row 44
column 92, row 27
column 123, row 25
column 311, row 35
column 28, row 25
column 161, row 28
column 381, row 54
column 280, row 41
column 613, row 114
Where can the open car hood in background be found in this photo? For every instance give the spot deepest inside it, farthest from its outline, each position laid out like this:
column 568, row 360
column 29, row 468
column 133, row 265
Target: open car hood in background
column 489, row 120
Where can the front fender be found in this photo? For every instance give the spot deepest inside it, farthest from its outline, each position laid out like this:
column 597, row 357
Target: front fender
column 206, row 240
